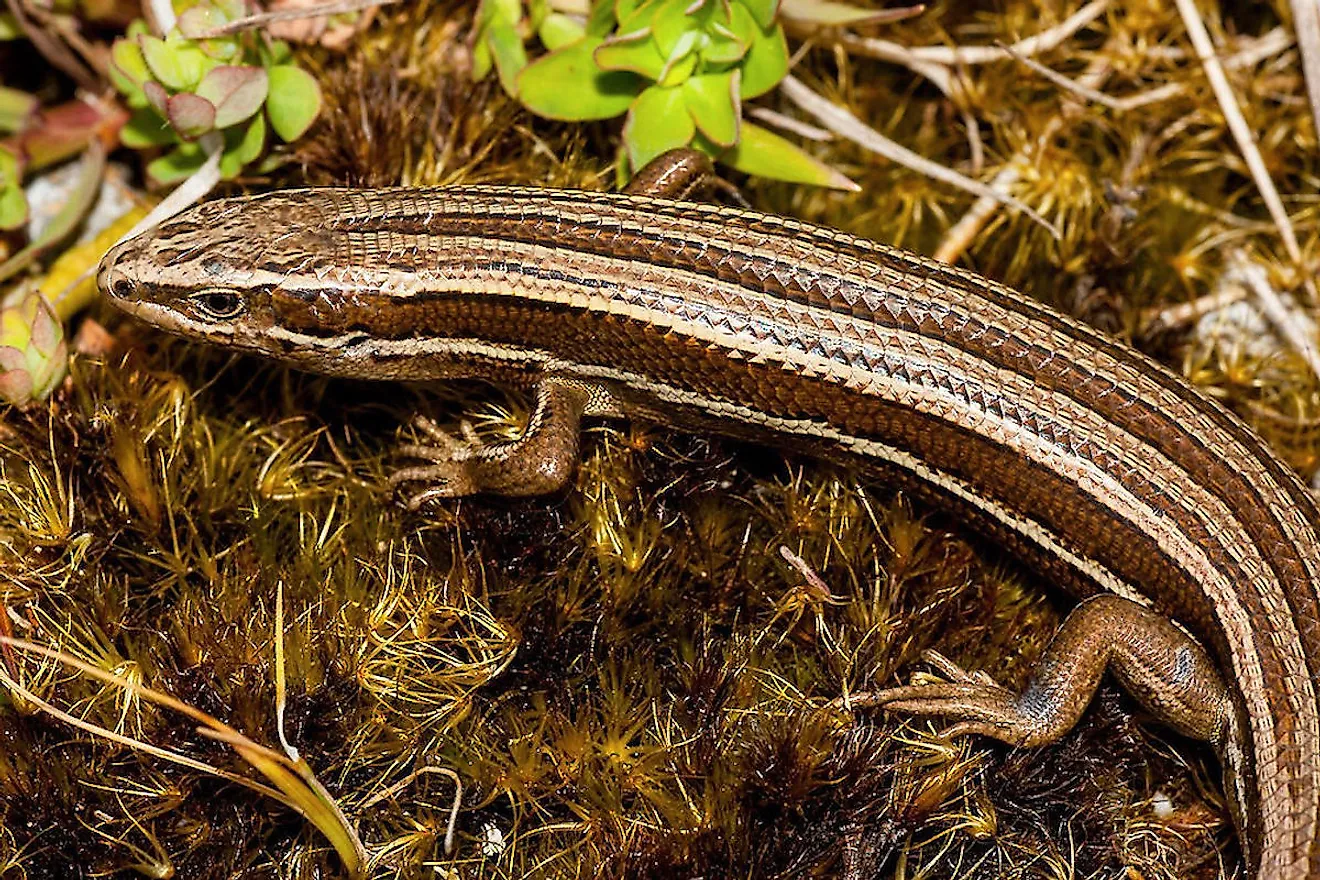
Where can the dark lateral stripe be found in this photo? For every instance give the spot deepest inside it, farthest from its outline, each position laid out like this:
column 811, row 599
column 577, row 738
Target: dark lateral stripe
column 530, row 224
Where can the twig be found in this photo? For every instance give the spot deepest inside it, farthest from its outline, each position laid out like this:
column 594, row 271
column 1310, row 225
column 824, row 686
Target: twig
column 1276, row 312
column 1174, row 317
column 1246, row 141
column 842, row 122
column 788, row 123
column 1306, row 23
column 263, row 18
column 886, row 50
column 408, row 780
column 53, row 49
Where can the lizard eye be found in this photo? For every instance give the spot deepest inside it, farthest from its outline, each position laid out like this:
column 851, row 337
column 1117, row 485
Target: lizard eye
column 219, row 303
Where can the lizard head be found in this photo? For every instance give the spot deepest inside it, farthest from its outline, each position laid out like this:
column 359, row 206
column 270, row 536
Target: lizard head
column 241, row 273
column 193, row 276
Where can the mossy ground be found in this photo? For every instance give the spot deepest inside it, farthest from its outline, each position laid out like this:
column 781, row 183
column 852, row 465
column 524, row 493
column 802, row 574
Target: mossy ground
column 628, row 678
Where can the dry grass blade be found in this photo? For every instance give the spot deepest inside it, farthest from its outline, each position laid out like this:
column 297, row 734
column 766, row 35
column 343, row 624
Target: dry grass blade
column 842, row 122
column 264, row 18
column 296, row 786
column 886, row 50
column 1306, row 23
column 1275, row 310
column 408, row 780
column 1237, row 124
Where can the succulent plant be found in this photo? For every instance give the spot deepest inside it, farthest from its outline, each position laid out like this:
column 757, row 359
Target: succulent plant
column 679, row 69
column 190, row 83
column 33, row 353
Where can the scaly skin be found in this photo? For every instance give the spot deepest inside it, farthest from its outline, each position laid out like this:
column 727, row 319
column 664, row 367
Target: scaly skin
column 1095, row 464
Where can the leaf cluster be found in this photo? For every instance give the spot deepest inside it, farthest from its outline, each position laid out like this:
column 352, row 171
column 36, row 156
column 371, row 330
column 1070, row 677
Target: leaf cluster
column 679, row 70
column 193, row 83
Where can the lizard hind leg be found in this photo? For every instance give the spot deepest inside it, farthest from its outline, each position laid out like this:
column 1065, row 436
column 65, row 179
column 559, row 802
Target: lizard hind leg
column 1160, row 665
column 682, row 174
column 539, row 462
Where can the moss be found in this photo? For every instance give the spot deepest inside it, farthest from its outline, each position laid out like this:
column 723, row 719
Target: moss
column 628, row 678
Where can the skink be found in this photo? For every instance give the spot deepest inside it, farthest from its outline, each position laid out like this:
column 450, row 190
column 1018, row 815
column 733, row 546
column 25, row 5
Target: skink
column 1193, row 548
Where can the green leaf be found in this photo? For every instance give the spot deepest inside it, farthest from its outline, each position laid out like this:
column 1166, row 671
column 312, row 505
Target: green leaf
column 128, row 71
column 236, row 92
column 635, row 15
column 671, row 23
column 712, row 99
column 146, row 128
column 828, row 13
column 568, row 85
column 242, row 147
column 175, row 63
column 741, row 24
column 13, row 207
column 723, row 47
column 274, row 53
column 678, row 69
column 177, row 164
column 190, row 115
column 506, row 46
column 765, row 154
column 482, row 60
column 9, row 167
column 500, row 11
column 658, row 121
column 764, row 11
column 293, row 102
column 602, row 19
column 16, row 109
column 558, row 30
column 765, row 65
column 199, row 20
column 9, row 29
column 636, row 53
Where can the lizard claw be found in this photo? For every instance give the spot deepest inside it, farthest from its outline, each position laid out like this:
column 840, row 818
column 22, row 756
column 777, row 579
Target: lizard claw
column 449, row 469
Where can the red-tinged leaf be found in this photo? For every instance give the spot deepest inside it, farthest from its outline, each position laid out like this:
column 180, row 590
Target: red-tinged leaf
column 156, row 94
column 65, row 130
column 190, row 115
column 236, row 92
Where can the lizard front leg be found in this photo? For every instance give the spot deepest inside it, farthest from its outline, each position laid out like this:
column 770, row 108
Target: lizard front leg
column 537, row 463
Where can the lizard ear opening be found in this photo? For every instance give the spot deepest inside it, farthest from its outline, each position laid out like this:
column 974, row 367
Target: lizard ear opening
column 219, row 303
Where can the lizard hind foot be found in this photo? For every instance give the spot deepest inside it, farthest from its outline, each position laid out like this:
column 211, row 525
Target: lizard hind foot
column 975, row 702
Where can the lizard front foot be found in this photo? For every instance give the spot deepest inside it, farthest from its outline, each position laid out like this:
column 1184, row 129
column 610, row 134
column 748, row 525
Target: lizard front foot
column 537, row 463
column 451, row 471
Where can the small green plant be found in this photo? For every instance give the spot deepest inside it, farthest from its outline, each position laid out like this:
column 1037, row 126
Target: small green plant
column 191, row 83
column 679, row 69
